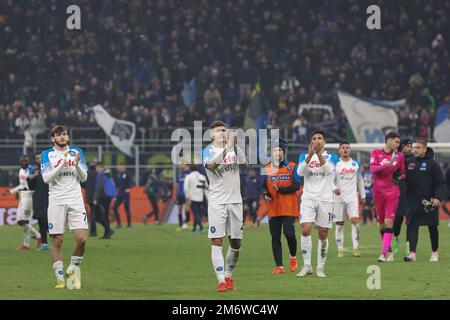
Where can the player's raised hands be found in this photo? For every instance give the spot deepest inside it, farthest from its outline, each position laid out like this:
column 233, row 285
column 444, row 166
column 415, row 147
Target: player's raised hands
column 77, row 158
column 312, row 148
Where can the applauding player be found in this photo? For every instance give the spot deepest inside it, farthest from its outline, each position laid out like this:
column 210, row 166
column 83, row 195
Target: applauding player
column 63, row 168
column 225, row 216
column 317, row 167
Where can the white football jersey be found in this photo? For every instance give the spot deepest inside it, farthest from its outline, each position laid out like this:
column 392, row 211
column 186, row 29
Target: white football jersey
column 22, row 188
column 64, row 187
column 318, row 181
column 224, row 182
column 349, row 180
column 195, row 186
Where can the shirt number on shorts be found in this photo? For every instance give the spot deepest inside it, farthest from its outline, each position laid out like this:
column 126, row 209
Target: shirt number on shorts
column 85, row 216
column 330, row 217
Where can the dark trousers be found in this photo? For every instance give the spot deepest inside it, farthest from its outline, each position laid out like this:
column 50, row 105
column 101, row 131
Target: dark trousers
column 125, row 199
column 413, row 236
column 253, row 205
column 43, row 228
column 287, row 223
column 198, row 208
column 102, row 213
column 93, row 220
column 155, row 210
column 398, row 221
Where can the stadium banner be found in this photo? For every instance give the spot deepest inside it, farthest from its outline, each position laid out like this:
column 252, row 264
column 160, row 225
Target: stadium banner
column 120, row 132
column 369, row 119
column 442, row 124
column 139, row 206
column 315, row 106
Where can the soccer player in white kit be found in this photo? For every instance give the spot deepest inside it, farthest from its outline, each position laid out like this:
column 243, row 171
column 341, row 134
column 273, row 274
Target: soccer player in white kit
column 63, row 168
column 349, row 183
column 225, row 213
column 317, row 168
column 25, row 209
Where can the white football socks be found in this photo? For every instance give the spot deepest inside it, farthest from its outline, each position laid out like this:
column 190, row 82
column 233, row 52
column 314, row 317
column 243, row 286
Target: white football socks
column 218, row 262
column 33, row 231
column 306, row 246
column 58, row 267
column 322, row 252
column 355, row 235
column 232, row 258
column 340, row 237
column 26, row 236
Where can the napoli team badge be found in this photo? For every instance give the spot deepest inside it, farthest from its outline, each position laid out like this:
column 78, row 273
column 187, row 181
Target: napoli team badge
column 72, row 153
column 354, row 164
column 289, row 168
column 50, row 226
column 212, row 229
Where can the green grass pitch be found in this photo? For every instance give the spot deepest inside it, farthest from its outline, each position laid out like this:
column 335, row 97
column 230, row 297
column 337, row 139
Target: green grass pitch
column 157, row 262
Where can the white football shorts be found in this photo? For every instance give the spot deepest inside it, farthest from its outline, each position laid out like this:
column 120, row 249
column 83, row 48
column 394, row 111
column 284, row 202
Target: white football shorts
column 351, row 208
column 318, row 212
column 225, row 220
column 74, row 214
column 25, row 209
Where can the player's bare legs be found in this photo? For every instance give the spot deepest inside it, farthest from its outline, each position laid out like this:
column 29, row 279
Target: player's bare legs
column 80, row 236
column 28, row 230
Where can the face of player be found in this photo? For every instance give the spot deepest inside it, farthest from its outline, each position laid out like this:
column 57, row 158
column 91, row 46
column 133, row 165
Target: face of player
column 419, row 150
column 278, row 155
column 37, row 158
column 344, row 151
column 318, row 140
column 61, row 139
column 24, row 162
column 219, row 135
column 407, row 149
column 393, row 143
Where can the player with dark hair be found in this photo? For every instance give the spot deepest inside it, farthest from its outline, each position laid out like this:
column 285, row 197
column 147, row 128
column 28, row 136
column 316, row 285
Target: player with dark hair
column 225, row 212
column 316, row 209
column 64, row 168
column 387, row 166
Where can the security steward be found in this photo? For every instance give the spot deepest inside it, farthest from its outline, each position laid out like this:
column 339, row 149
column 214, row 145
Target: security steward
column 280, row 184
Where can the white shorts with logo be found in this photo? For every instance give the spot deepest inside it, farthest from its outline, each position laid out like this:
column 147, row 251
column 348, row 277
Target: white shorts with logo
column 349, row 207
column 25, row 209
column 75, row 214
column 318, row 212
column 225, row 220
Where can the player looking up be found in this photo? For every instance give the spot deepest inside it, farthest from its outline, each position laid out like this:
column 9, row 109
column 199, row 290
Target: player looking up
column 63, row 168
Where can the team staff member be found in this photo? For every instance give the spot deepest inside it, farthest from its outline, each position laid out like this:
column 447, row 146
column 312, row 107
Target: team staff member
column 280, row 184
column 124, row 183
column 425, row 190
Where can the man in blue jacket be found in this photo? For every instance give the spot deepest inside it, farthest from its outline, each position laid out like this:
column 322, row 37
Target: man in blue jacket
column 124, row 183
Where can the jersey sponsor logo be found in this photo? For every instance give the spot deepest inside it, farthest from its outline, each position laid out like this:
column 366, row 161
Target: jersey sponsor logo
column 314, row 164
column 284, row 177
column 66, row 174
column 317, row 174
column 69, row 163
column 347, row 171
column 229, row 159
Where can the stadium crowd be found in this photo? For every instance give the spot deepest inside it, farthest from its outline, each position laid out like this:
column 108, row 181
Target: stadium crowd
column 163, row 64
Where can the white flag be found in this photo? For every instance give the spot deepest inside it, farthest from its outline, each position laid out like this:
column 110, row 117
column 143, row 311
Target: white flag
column 120, row 132
column 442, row 125
column 369, row 119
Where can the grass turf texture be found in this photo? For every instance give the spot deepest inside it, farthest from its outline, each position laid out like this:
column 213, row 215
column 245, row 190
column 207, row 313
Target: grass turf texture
column 157, row 262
